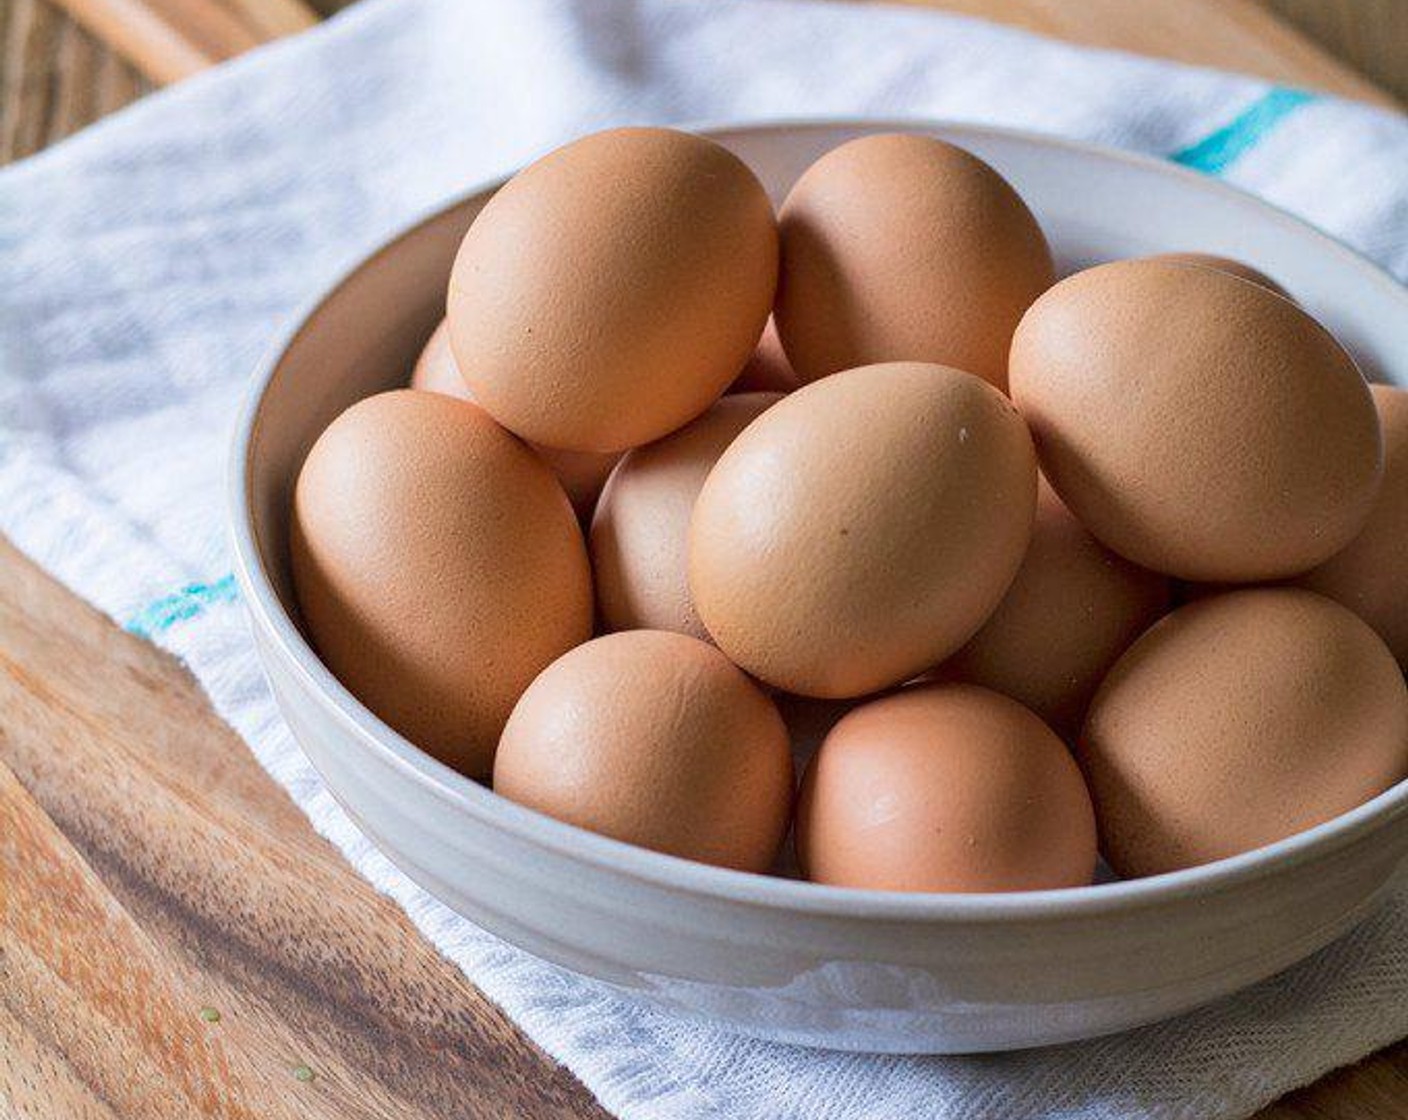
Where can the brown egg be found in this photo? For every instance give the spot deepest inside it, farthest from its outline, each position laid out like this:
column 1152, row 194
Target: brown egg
column 768, row 370
column 582, row 473
column 438, row 568
column 945, row 788
column 862, row 528
column 639, row 536
column 1224, row 264
column 435, row 370
column 1073, row 608
column 1197, row 424
column 1370, row 575
column 655, row 739
column 1237, row 721
column 900, row 247
column 609, row 292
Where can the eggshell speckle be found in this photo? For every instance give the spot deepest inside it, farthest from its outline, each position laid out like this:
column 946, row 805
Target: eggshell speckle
column 900, row 247
column 1073, row 608
column 438, row 568
column 862, row 528
column 1370, row 575
column 945, row 788
column 656, row 739
column 1195, row 423
column 639, row 536
column 1237, row 721
column 609, row 292
column 582, row 473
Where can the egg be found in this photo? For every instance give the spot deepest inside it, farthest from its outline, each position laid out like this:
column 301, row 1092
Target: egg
column 768, row 370
column 1195, row 423
column 609, row 292
column 640, row 532
column 435, row 370
column 1228, row 265
column 582, row 473
column 1237, row 721
column 945, row 788
column 1370, row 574
column 1072, row 609
column 862, row 528
column 900, row 247
column 438, row 568
column 656, row 739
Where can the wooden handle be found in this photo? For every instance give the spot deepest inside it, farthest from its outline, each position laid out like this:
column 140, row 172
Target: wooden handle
column 141, row 36
column 168, row 40
column 276, row 18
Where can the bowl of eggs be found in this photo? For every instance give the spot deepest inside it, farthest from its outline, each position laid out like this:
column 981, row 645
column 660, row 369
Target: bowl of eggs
column 909, row 588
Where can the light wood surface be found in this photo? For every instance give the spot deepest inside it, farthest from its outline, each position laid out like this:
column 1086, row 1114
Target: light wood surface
column 54, row 78
column 175, row 941
column 1370, row 34
column 1227, row 34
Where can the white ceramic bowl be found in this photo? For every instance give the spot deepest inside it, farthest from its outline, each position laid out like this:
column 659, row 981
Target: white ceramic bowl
column 772, row 957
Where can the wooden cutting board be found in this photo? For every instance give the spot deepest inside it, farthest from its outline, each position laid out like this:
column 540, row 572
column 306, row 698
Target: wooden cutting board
column 175, row 941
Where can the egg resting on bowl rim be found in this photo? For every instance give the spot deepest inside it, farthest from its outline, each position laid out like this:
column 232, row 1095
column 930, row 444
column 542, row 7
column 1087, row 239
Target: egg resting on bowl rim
column 1196, row 423
column 438, row 567
column 1237, row 721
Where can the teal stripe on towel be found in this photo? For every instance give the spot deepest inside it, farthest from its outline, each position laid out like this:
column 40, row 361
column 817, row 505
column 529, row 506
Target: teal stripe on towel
column 1216, row 152
column 190, row 601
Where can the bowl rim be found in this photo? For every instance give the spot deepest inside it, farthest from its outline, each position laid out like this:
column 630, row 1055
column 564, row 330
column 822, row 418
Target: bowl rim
column 682, row 876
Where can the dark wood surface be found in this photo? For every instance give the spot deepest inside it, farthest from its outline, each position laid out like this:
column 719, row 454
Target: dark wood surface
column 175, row 940
column 54, row 78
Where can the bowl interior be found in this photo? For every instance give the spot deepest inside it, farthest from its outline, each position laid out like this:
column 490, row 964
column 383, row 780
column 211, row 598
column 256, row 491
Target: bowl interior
column 364, row 335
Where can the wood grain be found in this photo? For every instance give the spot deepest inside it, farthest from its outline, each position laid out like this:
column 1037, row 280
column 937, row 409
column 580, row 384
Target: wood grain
column 145, row 37
column 54, row 78
column 1228, row 34
column 1370, row 35
column 150, row 871
column 271, row 19
column 167, row 40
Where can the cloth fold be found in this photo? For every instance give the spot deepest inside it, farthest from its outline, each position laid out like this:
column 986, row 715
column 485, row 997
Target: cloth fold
column 146, row 263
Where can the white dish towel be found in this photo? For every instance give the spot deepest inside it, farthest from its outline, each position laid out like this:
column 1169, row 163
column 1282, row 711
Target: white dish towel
column 145, row 264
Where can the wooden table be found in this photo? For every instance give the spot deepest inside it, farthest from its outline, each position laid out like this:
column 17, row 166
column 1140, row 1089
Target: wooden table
column 176, row 941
